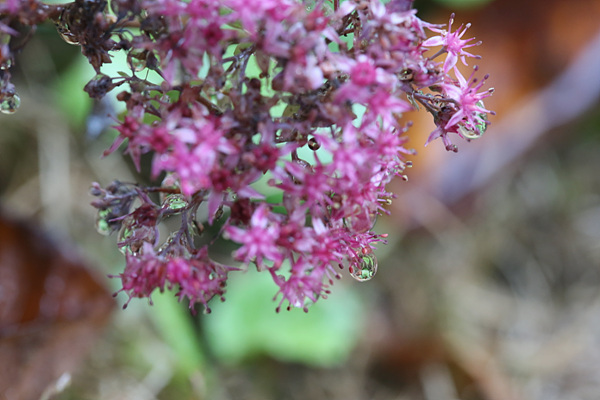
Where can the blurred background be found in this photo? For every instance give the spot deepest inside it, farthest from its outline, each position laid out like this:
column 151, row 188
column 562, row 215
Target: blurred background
column 487, row 290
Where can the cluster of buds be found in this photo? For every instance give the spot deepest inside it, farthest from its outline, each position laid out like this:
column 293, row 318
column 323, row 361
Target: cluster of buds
column 275, row 124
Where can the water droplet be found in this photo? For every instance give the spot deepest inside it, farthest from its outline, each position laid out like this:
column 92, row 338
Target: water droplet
column 138, row 65
column 174, row 202
column 68, row 37
column 126, row 249
column 125, row 238
column 387, row 200
column 304, row 164
column 6, row 64
column 10, row 103
column 62, row 26
column 132, row 236
column 171, row 241
column 137, row 60
column 313, row 144
column 361, row 222
column 477, row 129
column 365, row 266
column 102, row 224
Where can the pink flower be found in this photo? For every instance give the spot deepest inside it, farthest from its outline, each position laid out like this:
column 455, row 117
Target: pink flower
column 197, row 146
column 441, row 132
column 303, row 74
column 143, row 273
column 11, row 6
column 365, row 79
column 303, row 287
column 384, row 105
column 259, row 241
column 327, row 248
column 363, row 73
column 452, row 43
column 127, row 130
column 199, row 278
column 309, row 184
column 470, row 102
column 252, row 12
column 289, row 160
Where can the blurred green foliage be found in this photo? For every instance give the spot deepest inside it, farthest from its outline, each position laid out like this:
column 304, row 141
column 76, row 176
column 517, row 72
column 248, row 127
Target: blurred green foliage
column 246, row 325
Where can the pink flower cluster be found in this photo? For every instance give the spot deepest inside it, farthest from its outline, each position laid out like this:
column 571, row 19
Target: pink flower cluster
column 275, row 124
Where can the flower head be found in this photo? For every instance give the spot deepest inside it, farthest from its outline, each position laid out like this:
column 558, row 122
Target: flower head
column 268, row 123
column 452, row 43
column 471, row 112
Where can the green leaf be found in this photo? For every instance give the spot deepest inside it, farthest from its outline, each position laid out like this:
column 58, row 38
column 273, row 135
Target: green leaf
column 246, row 325
column 70, row 97
column 173, row 322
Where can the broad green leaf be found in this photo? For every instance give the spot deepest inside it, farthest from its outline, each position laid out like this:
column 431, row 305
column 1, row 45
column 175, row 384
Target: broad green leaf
column 246, row 325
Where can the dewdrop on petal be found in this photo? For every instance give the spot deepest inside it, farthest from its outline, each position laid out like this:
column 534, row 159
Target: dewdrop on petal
column 103, row 223
column 365, row 267
column 10, row 103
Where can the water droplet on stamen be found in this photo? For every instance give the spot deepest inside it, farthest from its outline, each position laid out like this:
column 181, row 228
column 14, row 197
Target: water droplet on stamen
column 102, row 226
column 137, row 63
column 10, row 103
column 361, row 222
column 313, row 144
column 127, row 243
column 174, row 202
column 6, row 64
column 68, row 37
column 366, row 266
column 172, row 241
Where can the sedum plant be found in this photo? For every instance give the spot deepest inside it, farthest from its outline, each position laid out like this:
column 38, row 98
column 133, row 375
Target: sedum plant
column 275, row 124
